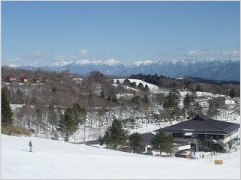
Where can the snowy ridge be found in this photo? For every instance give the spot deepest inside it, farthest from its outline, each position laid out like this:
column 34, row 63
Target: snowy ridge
column 209, row 69
column 112, row 62
column 62, row 63
column 153, row 88
column 109, row 62
column 145, row 62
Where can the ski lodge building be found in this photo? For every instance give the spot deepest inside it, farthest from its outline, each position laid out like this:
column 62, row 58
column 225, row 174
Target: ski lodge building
column 204, row 134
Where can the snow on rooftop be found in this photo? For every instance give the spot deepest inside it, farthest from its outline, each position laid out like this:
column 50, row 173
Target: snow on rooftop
column 145, row 129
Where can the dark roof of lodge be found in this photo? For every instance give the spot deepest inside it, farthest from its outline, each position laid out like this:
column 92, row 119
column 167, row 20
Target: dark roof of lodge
column 93, row 142
column 147, row 138
column 202, row 124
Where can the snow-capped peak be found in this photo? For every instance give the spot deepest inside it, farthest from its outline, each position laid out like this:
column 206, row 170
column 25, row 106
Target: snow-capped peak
column 82, row 62
column 184, row 62
column 62, row 63
column 145, row 62
column 111, row 62
column 13, row 65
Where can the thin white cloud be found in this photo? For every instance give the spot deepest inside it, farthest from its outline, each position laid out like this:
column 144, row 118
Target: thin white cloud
column 38, row 53
column 231, row 53
column 84, row 52
column 196, row 52
column 35, row 58
column 201, row 54
column 144, row 62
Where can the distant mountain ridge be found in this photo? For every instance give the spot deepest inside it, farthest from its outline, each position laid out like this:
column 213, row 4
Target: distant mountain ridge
column 208, row 81
column 225, row 70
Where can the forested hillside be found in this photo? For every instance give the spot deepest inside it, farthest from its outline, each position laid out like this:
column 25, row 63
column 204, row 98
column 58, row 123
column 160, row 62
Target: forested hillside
column 77, row 109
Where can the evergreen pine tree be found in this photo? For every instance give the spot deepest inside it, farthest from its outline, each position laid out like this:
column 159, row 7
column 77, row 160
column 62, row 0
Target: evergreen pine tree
column 187, row 100
column 118, row 82
column 68, row 123
column 158, row 141
column 162, row 142
column 171, row 104
column 133, row 85
column 232, row 93
column 107, row 138
column 136, row 142
column 115, row 135
column 168, row 144
column 76, row 115
column 145, row 99
column 141, row 86
column 146, row 89
column 126, row 82
column 7, row 115
column 198, row 88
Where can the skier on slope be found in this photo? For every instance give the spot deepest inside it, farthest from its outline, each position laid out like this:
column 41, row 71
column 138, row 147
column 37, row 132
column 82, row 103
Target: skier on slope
column 30, row 146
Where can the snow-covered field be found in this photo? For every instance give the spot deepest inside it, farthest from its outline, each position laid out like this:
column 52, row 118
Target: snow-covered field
column 202, row 94
column 153, row 88
column 60, row 160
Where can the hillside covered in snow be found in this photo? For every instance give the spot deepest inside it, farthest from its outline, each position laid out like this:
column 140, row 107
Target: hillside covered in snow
column 80, row 110
column 39, row 103
column 60, row 160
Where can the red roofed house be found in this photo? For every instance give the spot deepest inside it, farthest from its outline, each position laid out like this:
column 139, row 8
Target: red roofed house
column 36, row 80
column 10, row 78
column 24, row 79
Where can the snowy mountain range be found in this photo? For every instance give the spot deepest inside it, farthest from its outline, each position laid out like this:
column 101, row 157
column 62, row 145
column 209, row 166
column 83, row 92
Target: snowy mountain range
column 226, row 70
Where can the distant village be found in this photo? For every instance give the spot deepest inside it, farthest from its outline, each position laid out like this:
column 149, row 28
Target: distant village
column 24, row 79
column 36, row 80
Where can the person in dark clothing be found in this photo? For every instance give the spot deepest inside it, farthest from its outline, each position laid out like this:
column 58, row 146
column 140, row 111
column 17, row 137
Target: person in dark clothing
column 30, row 146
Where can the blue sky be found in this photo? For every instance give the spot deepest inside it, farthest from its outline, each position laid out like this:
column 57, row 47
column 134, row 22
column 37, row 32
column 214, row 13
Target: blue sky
column 44, row 32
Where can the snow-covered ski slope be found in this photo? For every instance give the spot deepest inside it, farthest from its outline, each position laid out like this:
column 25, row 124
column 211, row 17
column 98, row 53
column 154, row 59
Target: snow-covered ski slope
column 153, row 88
column 60, row 160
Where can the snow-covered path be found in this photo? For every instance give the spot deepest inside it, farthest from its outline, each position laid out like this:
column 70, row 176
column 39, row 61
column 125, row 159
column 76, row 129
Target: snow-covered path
column 59, row 160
